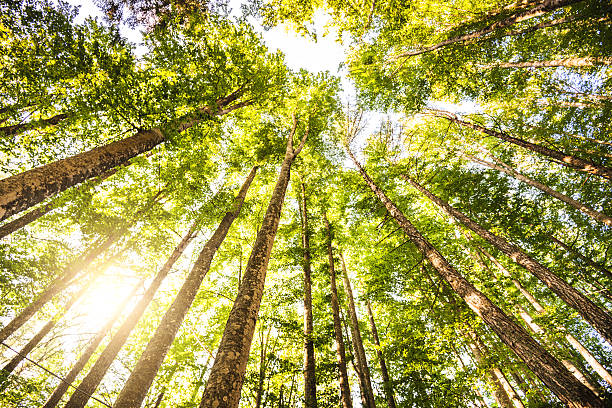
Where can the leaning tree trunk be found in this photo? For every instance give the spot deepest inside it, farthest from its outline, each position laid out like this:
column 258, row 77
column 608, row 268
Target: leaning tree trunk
column 91, row 381
column 503, row 167
column 589, row 261
column 364, row 370
column 541, row 362
column 575, row 62
column 26, row 189
column 556, row 156
column 480, row 398
column 543, row 7
column 228, row 371
column 13, row 130
column 597, row 317
column 586, row 354
column 310, row 381
column 63, row 386
column 345, row 391
column 387, row 385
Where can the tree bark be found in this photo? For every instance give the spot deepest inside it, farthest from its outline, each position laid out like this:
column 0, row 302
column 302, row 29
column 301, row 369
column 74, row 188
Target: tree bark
column 26, row 189
column 345, row 391
column 91, row 381
column 13, row 130
column 586, row 354
column 63, row 386
column 228, row 371
column 541, row 8
column 597, row 317
column 575, row 62
column 558, row 157
column 364, row 370
column 586, row 259
column 543, row 364
column 503, row 167
column 310, row 381
column 387, row 384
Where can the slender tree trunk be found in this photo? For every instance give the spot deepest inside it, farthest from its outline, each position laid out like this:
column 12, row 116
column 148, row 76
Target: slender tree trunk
column 160, row 397
column 345, row 391
column 558, row 157
column 91, row 381
column 310, row 381
column 63, row 386
column 387, row 384
column 550, row 370
column 575, row 62
column 364, row 370
column 586, row 354
column 228, row 371
column 589, row 261
column 13, row 130
column 480, row 397
column 503, row 167
column 34, row 341
column 36, row 213
column 26, row 189
column 541, row 8
column 597, row 317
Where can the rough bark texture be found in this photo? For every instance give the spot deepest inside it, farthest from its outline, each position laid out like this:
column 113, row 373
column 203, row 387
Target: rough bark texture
column 96, row 373
column 38, row 123
column 63, row 386
column 228, row 371
column 557, row 156
column 557, row 378
column 364, row 371
column 387, row 385
column 541, row 8
column 60, row 283
column 586, row 354
column 575, row 62
column 345, row 391
column 593, row 314
column 503, row 167
column 310, row 381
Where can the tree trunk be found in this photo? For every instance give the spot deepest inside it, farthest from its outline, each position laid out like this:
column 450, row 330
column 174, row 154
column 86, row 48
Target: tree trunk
column 597, row 317
column 550, row 370
column 558, row 157
column 26, row 189
column 586, row 354
column 63, row 386
column 589, row 261
column 228, row 371
column 34, row 341
column 91, row 381
column 364, row 370
column 387, row 384
column 160, row 397
column 542, row 8
column 503, row 167
column 310, row 381
column 575, row 62
column 13, row 130
column 345, row 391
column 482, row 402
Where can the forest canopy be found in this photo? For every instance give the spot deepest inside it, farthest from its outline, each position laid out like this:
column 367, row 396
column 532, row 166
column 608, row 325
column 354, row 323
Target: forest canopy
column 190, row 221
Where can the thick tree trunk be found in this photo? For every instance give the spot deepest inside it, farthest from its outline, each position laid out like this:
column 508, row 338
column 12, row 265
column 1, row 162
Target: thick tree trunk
column 586, row 259
column 310, row 381
column 586, row 354
column 503, row 167
column 60, row 283
column 597, row 317
column 228, row 371
column 13, row 130
column 575, row 62
column 364, row 369
column 91, row 381
column 547, row 368
column 26, row 189
column 558, row 157
column 63, row 386
column 345, row 391
column 541, row 8
column 387, row 384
